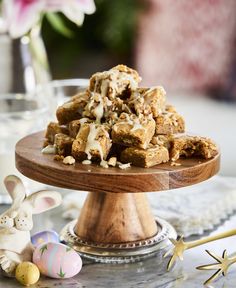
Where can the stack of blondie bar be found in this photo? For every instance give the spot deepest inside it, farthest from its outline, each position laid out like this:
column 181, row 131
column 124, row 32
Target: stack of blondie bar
column 117, row 123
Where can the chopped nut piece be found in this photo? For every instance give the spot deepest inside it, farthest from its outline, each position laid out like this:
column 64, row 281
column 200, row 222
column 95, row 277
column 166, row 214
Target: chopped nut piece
column 112, row 161
column 58, row 158
column 69, row 160
column 87, row 162
column 104, row 164
column 145, row 158
column 124, row 166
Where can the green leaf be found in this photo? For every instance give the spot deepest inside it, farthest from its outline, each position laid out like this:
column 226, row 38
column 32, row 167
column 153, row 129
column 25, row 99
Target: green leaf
column 43, row 248
column 57, row 23
column 61, row 274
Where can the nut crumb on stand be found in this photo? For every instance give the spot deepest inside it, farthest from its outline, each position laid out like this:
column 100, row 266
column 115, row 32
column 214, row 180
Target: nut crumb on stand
column 69, row 160
column 112, row 161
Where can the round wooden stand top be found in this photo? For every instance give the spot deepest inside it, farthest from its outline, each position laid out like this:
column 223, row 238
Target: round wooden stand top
column 42, row 168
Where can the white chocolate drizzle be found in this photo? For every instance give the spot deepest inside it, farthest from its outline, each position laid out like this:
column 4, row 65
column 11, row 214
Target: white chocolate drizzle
column 50, row 149
column 104, row 87
column 83, row 120
column 136, row 125
column 92, row 143
column 99, row 110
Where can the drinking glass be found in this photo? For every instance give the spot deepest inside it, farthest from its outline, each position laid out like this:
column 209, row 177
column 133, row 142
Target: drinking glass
column 59, row 91
column 20, row 115
column 23, row 114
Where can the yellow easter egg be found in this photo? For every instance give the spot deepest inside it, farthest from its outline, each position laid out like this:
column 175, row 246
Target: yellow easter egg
column 27, row 273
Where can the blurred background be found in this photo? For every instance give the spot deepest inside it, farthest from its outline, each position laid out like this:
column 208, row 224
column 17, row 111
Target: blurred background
column 106, row 38
column 186, row 46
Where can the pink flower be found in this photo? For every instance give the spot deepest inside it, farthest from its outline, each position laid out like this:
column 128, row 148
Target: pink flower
column 21, row 15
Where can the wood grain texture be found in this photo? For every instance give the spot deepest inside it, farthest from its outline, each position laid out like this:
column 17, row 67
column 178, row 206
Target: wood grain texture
column 116, row 218
column 35, row 165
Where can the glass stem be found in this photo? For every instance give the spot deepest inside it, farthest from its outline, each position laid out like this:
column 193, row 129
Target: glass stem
column 34, row 59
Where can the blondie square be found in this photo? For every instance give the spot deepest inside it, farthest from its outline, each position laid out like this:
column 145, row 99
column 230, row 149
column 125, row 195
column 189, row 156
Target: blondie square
column 54, row 128
column 92, row 142
column 127, row 70
column 169, row 123
column 80, row 96
column 131, row 130
column 116, row 82
column 189, row 146
column 75, row 125
column 155, row 97
column 148, row 100
column 149, row 157
column 73, row 109
column 63, row 144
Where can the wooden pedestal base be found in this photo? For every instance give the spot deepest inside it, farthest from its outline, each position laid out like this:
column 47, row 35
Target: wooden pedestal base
column 117, row 228
column 116, row 218
column 120, row 252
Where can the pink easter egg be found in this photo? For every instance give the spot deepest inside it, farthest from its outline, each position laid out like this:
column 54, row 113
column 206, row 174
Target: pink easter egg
column 57, row 260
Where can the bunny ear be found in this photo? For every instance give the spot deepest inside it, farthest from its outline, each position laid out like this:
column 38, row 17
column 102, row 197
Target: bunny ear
column 44, row 200
column 15, row 188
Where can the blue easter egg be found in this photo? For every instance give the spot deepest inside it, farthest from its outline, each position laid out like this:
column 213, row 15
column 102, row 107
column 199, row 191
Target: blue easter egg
column 45, row 237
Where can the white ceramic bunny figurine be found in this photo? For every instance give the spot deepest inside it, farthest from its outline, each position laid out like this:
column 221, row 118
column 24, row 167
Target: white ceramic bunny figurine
column 16, row 223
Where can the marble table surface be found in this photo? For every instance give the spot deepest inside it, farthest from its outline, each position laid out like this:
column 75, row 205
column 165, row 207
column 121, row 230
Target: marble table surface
column 149, row 273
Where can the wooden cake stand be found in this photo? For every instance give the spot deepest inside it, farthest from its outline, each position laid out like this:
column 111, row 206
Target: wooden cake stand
column 116, row 223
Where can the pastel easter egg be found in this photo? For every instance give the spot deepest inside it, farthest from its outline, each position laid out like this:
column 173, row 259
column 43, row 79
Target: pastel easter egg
column 27, row 273
column 57, row 260
column 44, row 237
